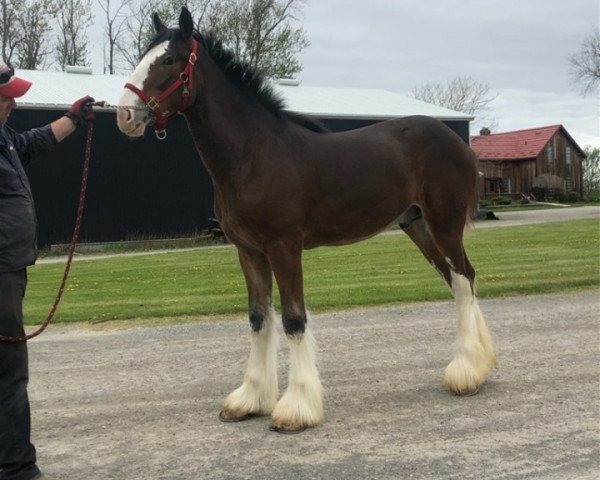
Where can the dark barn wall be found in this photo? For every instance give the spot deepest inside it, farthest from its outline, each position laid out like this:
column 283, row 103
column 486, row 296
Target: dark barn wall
column 142, row 188
column 137, row 188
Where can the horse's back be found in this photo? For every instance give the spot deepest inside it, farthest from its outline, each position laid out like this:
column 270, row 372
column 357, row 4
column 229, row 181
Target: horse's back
column 397, row 150
column 421, row 136
column 360, row 181
column 431, row 153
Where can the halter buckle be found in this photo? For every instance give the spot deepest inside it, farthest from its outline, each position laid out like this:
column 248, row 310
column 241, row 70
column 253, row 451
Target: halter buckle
column 153, row 104
column 160, row 134
column 185, row 80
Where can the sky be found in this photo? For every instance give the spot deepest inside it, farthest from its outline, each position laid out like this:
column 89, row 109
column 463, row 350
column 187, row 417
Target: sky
column 519, row 47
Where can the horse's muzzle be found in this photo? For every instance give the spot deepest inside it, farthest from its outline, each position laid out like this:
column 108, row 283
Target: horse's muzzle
column 132, row 121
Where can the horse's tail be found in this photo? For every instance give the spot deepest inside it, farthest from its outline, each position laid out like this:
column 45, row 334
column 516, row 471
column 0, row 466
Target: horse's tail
column 473, row 199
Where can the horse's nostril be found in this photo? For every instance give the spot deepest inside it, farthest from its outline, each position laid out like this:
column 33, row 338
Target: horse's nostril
column 125, row 115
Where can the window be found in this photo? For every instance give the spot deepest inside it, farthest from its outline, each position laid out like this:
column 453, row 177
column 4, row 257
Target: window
column 549, row 155
column 506, row 185
column 568, row 155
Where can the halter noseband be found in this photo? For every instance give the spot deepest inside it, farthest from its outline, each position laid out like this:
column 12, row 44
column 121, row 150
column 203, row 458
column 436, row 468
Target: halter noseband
column 185, row 79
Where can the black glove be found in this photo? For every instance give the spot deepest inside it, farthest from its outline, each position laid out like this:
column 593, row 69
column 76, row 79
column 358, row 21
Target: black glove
column 81, row 111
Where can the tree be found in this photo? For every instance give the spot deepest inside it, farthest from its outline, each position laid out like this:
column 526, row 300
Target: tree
column 591, row 173
column 136, row 31
column 462, row 94
column 10, row 33
column 114, row 28
column 73, row 18
column 261, row 33
column 585, row 65
column 35, row 27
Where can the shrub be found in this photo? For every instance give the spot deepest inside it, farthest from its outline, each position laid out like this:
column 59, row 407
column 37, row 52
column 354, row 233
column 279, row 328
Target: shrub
column 500, row 200
column 568, row 197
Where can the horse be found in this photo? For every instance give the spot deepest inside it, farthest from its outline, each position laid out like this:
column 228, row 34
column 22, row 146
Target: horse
column 283, row 183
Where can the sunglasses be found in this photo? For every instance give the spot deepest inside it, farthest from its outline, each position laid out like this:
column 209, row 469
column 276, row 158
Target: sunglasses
column 6, row 73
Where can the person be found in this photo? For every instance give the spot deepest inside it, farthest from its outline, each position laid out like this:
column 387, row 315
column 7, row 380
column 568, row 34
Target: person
column 17, row 252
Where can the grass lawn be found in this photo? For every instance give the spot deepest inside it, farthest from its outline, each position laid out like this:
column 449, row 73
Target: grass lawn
column 388, row 269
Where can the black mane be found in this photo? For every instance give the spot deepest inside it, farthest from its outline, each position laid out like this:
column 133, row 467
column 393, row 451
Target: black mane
column 247, row 79
column 251, row 82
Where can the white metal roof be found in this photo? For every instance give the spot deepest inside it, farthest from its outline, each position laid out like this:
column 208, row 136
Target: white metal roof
column 57, row 90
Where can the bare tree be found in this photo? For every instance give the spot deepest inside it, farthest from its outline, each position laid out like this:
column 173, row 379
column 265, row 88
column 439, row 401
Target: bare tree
column 114, row 29
column 135, row 32
column 201, row 10
column 73, row 18
column 585, row 65
column 35, row 27
column 10, row 34
column 462, row 94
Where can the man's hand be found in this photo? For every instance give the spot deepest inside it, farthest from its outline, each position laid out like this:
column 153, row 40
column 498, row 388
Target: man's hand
column 81, row 111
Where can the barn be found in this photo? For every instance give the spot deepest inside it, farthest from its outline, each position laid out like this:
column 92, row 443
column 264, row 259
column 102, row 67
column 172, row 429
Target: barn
column 147, row 188
column 544, row 162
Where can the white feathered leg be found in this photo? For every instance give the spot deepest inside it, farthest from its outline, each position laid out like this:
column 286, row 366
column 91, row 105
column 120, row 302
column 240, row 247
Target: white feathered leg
column 475, row 354
column 301, row 405
column 258, row 393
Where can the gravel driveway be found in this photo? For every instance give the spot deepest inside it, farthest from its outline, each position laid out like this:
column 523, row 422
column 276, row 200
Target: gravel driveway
column 142, row 403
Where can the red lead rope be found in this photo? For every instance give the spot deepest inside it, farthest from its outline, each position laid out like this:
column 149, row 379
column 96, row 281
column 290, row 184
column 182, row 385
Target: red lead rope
column 74, row 239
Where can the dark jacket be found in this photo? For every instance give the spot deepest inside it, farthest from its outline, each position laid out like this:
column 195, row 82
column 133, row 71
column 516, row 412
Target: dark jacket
column 17, row 213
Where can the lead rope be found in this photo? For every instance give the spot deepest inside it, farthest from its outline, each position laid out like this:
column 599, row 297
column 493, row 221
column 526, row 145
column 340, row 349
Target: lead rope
column 74, row 239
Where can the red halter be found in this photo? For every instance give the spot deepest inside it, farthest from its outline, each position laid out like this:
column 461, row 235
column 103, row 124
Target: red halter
column 185, row 79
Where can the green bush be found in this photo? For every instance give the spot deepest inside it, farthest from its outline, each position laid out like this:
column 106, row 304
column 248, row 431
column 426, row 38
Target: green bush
column 500, row 200
column 568, row 197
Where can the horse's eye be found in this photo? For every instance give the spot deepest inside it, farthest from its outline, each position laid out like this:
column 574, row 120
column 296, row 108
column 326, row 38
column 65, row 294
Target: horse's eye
column 168, row 61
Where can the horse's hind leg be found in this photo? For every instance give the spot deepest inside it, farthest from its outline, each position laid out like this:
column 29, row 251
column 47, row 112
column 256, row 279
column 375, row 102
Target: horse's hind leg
column 258, row 393
column 475, row 356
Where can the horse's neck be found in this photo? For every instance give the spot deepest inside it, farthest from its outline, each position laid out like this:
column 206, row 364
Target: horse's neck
column 225, row 125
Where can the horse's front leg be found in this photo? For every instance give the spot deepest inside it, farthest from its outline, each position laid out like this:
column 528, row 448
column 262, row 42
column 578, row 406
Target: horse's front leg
column 301, row 405
column 258, row 393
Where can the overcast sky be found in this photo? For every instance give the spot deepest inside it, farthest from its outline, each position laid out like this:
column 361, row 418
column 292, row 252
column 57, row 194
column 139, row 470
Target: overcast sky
column 519, row 47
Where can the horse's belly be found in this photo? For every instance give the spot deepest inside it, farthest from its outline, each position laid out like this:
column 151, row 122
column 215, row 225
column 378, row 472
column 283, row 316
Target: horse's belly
column 343, row 231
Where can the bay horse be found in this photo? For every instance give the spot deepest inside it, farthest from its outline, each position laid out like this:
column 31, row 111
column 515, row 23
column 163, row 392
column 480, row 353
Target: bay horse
column 283, row 183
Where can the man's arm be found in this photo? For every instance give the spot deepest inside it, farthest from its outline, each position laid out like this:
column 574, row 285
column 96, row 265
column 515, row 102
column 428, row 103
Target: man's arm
column 39, row 140
column 62, row 128
column 80, row 112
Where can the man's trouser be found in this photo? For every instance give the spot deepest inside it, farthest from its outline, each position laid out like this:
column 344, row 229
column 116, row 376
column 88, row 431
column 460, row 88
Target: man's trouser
column 17, row 454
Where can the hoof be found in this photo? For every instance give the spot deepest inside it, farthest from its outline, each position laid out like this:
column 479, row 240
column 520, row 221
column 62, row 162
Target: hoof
column 287, row 431
column 470, row 393
column 247, row 416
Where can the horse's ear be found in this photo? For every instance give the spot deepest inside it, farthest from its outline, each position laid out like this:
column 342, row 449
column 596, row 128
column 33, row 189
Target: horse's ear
column 158, row 25
column 186, row 24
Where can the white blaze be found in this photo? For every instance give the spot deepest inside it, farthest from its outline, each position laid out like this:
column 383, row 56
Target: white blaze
column 139, row 75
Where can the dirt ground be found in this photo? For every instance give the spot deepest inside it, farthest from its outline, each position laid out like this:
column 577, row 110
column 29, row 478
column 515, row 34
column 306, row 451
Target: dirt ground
column 143, row 403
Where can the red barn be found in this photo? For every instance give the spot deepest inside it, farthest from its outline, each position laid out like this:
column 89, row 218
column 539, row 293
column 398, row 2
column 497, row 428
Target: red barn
column 541, row 161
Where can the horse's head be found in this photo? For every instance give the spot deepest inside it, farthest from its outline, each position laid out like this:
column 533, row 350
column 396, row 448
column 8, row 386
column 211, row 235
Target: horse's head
column 162, row 83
